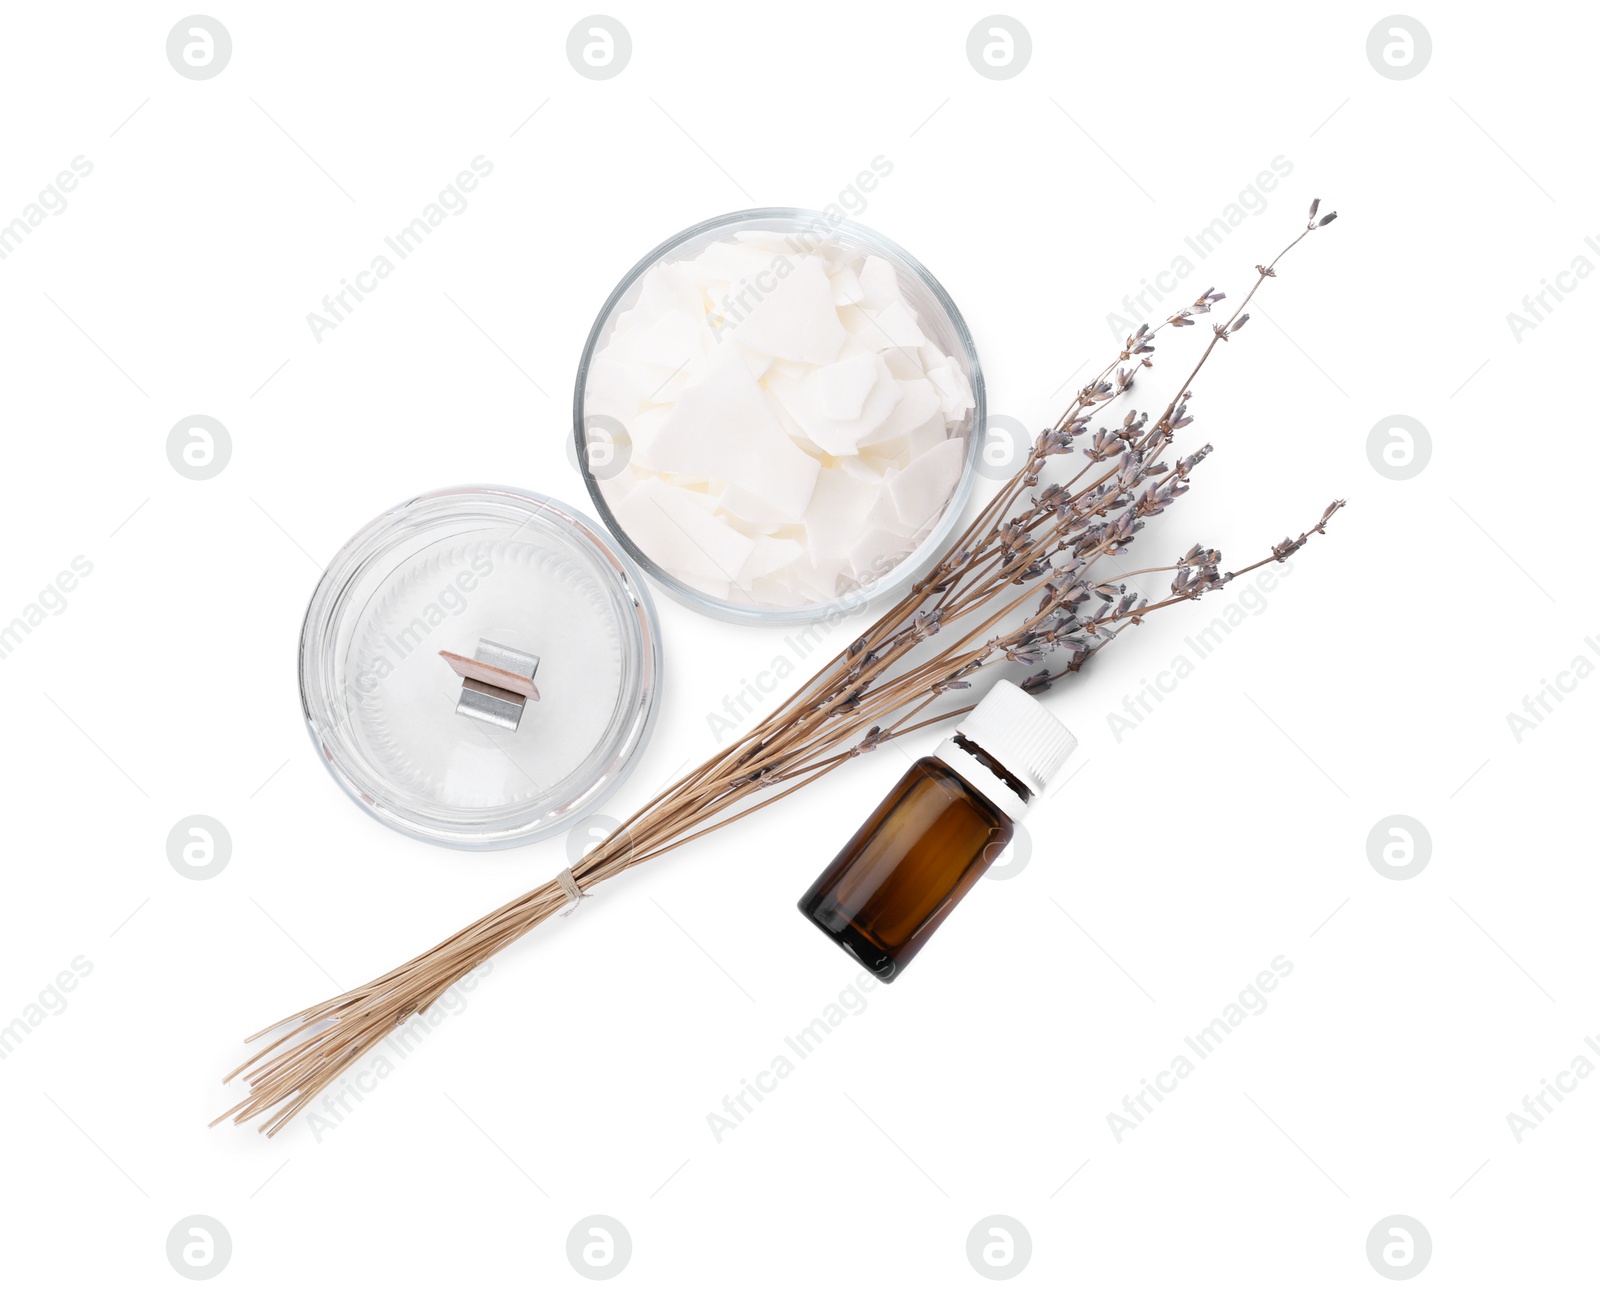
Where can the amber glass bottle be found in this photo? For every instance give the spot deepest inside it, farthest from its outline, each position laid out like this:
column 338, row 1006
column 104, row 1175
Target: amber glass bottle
column 936, row 833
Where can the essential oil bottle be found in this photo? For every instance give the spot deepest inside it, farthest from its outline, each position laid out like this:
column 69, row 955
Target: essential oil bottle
column 936, row 834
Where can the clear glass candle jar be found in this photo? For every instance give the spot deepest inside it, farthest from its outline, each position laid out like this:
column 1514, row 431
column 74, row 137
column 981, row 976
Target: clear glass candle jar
column 448, row 572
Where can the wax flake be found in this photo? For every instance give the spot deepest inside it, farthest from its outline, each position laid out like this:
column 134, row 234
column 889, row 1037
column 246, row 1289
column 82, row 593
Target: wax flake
column 920, row 492
column 797, row 320
column 722, row 429
column 771, row 553
column 867, row 554
column 737, row 264
column 838, row 511
column 842, row 387
column 847, row 290
column 679, row 529
column 953, row 385
column 879, row 283
column 897, row 327
column 804, row 399
column 926, row 436
column 919, row 401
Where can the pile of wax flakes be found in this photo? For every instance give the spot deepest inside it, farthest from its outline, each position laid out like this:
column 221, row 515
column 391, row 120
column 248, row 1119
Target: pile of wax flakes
column 792, row 433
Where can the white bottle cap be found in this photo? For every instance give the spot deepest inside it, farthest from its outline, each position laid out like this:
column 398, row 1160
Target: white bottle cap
column 1019, row 734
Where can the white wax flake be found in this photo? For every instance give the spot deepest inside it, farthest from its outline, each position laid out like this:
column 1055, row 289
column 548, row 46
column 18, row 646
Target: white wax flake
column 678, row 529
column 721, row 429
column 666, row 343
column 797, row 320
column 880, row 403
column 920, row 492
column 857, row 321
column 642, row 430
column 888, row 456
column 768, row 240
column 729, row 263
column 884, row 515
column 795, row 432
column 749, row 509
column 897, row 327
column 879, row 283
column 616, row 388
column 954, row 387
column 869, row 553
column 926, row 436
column 861, row 467
column 919, row 401
column 842, row 387
column 804, row 400
column 667, row 288
column 771, row 554
column 847, row 290
column 608, row 389
column 757, row 364
column 904, row 365
column 838, row 511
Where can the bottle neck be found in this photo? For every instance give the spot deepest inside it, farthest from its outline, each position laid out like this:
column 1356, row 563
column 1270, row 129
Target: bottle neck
column 990, row 779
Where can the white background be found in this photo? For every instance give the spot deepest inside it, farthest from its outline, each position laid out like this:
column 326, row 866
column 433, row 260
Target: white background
column 1227, row 828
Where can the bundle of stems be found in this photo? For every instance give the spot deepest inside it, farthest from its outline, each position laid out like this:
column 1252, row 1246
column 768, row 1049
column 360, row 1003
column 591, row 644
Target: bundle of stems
column 1024, row 584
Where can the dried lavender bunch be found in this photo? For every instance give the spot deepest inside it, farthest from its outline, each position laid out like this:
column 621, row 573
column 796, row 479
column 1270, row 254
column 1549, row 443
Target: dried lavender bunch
column 1020, row 586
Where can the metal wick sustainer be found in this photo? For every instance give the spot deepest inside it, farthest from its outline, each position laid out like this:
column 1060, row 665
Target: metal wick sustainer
column 496, row 685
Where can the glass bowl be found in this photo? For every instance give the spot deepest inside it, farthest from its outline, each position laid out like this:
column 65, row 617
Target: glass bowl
column 597, row 435
column 475, row 571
